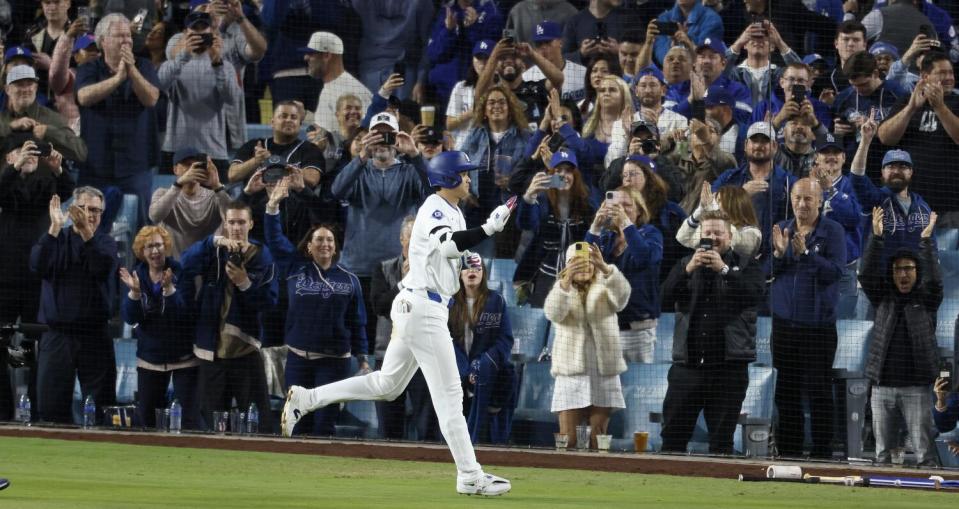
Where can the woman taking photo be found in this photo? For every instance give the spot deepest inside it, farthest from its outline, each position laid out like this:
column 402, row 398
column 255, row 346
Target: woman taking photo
column 622, row 231
column 326, row 318
column 483, row 340
column 159, row 304
column 556, row 209
column 587, row 354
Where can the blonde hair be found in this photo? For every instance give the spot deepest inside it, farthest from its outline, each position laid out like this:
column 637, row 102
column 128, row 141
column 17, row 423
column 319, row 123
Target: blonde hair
column 144, row 236
column 625, row 113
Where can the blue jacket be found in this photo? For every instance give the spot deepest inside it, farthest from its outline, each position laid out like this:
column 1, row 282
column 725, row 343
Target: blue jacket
column 769, row 211
column 805, row 290
column 703, row 22
column 478, row 145
column 640, row 263
column 326, row 314
column 379, row 200
column 207, row 261
column 900, row 228
column 946, row 421
column 492, row 338
column 451, row 52
column 843, row 207
column 76, row 275
column 775, row 104
column 884, row 99
column 742, row 112
column 161, row 323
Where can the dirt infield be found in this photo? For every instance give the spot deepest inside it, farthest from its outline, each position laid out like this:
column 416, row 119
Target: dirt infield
column 722, row 468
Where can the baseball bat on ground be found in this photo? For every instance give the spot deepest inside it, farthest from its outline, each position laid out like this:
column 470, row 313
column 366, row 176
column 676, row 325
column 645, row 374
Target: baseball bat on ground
column 849, row 480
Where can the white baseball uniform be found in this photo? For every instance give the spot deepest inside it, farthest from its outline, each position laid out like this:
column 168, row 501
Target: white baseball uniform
column 421, row 336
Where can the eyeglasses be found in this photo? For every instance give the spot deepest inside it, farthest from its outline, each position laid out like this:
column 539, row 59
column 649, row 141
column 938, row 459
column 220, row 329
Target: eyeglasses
column 904, row 269
column 94, row 211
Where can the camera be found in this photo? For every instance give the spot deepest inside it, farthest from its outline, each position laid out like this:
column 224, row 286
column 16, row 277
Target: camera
column 44, row 149
column 649, row 146
column 275, row 170
column 945, row 371
column 24, row 353
column 389, row 138
column 236, row 258
column 706, row 244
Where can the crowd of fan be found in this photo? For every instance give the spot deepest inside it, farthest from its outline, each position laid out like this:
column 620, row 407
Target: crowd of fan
column 698, row 149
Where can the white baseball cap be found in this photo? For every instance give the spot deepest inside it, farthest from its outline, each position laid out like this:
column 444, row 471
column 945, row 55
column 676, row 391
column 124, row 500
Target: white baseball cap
column 385, row 118
column 764, row 128
column 324, row 42
column 21, row 72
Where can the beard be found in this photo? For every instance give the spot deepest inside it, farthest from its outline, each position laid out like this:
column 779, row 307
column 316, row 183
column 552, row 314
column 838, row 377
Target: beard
column 897, row 184
column 763, row 159
column 509, row 73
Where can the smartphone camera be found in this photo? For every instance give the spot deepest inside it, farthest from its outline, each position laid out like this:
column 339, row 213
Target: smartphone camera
column 600, row 31
column 556, row 181
column 44, row 149
column 400, row 68
column 706, row 244
column 236, row 258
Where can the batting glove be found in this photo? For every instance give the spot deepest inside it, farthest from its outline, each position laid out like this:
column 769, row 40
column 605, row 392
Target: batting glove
column 500, row 216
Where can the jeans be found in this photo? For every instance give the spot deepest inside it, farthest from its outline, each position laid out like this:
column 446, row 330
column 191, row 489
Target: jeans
column 912, row 405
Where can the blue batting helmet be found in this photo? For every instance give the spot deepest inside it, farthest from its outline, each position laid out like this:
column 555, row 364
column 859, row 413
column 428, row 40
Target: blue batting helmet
column 444, row 169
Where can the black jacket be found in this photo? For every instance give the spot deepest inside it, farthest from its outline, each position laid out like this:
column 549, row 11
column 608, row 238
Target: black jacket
column 921, row 305
column 737, row 294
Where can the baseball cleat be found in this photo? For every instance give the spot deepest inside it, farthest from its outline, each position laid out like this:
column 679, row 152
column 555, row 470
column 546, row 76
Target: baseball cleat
column 486, row 485
column 4, row 483
column 293, row 410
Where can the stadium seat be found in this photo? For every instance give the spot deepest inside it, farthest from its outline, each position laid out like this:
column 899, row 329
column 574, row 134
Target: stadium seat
column 946, row 324
column 853, row 387
column 533, row 423
column 664, row 338
column 644, row 389
column 758, row 404
column 254, row 131
column 502, row 269
column 161, row 181
column 124, row 228
column 947, row 239
column 852, row 346
column 529, row 332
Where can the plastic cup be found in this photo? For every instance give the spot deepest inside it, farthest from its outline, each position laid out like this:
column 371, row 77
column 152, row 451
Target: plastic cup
column 602, row 442
column 582, row 436
column 220, row 422
column 162, row 420
column 562, row 441
column 640, row 441
column 428, row 115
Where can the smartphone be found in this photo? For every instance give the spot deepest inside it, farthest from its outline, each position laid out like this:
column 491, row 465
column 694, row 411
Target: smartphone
column 139, row 20
column 44, row 149
column 389, row 138
column 400, row 68
column 581, row 250
column 207, row 42
column 236, row 258
column 930, row 33
column 798, row 93
column 945, row 371
column 705, row 244
column 509, row 36
column 667, row 28
column 311, row 128
column 83, row 12
column 555, row 143
column 614, row 197
column 600, row 31
column 556, row 181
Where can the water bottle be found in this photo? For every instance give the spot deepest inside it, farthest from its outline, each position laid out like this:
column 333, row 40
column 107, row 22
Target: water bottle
column 23, row 410
column 89, row 413
column 252, row 419
column 176, row 416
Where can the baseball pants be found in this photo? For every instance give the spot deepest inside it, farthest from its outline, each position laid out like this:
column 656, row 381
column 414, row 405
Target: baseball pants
column 420, row 338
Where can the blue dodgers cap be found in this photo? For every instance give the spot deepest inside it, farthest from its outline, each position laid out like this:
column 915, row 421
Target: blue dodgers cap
column 812, row 57
column 713, row 43
column 196, row 3
column 563, row 156
column 546, row 31
column 884, row 48
column 641, row 159
column 17, row 51
column 84, row 42
column 483, row 48
column 650, row 70
column 830, row 142
column 897, row 156
column 719, row 96
column 184, row 153
column 197, row 17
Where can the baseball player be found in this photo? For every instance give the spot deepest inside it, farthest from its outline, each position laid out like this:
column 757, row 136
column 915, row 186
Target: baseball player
column 420, row 312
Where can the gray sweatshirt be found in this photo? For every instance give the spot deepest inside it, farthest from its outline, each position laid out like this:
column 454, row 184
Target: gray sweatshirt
column 199, row 96
column 379, row 200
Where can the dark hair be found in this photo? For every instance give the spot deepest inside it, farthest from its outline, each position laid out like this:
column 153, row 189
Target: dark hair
column 799, row 66
column 471, row 76
column 737, row 206
column 239, row 205
column 859, row 65
column 613, row 62
column 851, row 27
column 578, row 197
column 460, row 316
column 633, row 36
column 305, row 241
column 577, row 119
column 930, row 58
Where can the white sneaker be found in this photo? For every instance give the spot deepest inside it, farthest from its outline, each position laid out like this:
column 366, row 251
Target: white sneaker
column 486, row 485
column 293, row 410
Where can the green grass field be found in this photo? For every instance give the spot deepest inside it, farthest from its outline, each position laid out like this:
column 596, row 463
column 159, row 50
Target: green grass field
column 66, row 474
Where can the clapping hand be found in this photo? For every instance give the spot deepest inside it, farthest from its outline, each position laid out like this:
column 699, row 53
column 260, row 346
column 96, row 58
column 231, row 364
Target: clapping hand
column 132, row 281
column 81, row 222
column 877, row 221
column 798, row 242
column 780, row 241
column 57, row 218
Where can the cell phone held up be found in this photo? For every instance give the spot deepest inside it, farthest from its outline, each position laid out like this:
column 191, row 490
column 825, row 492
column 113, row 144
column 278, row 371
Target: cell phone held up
column 945, row 372
column 667, row 28
column 705, row 244
column 600, row 31
column 798, row 93
column 236, row 258
column 206, row 42
column 509, row 36
column 400, row 68
column 389, row 138
column 555, row 181
column 581, row 250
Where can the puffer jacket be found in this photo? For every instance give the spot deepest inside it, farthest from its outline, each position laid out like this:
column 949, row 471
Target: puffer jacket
column 574, row 319
column 921, row 305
